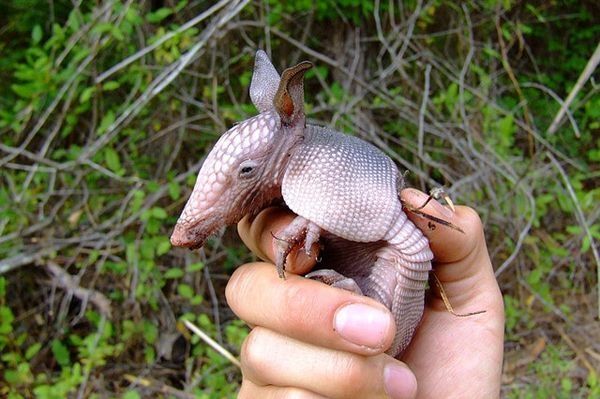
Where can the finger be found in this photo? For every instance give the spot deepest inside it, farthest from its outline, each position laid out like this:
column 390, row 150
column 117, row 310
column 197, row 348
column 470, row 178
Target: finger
column 309, row 310
column 467, row 270
column 259, row 234
column 269, row 358
column 448, row 244
column 250, row 390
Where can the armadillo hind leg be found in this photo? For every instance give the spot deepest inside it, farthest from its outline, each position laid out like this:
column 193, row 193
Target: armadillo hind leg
column 301, row 232
column 335, row 279
column 399, row 278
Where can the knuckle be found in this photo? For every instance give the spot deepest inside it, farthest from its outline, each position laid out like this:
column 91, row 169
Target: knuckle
column 298, row 301
column 254, row 353
column 352, row 374
column 237, row 287
column 471, row 216
column 471, row 221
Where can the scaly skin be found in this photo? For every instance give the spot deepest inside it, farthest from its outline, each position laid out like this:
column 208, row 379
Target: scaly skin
column 343, row 189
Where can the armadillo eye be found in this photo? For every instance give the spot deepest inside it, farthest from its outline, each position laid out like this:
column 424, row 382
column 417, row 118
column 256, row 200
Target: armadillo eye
column 247, row 169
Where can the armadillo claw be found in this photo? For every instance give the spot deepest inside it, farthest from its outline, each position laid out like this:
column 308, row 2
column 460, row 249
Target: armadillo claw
column 440, row 193
column 300, row 233
column 335, row 279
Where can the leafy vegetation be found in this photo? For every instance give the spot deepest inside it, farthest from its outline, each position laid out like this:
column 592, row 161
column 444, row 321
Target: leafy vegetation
column 108, row 107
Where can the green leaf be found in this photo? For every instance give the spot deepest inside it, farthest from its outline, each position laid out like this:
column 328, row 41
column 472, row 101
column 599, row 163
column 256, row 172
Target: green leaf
column 103, row 27
column 131, row 395
column 163, row 247
column 506, row 125
column 105, row 123
column 150, row 332
column 196, row 300
column 174, row 272
column 137, row 201
column 60, row 352
column 25, row 90
column 174, row 190
column 117, row 34
column 112, row 159
column 110, row 85
column 194, row 267
column 36, row 34
column 159, row 213
column 131, row 253
column 185, row 291
column 86, row 94
column 158, row 15
column 2, row 287
column 147, row 249
column 6, row 319
column 73, row 20
column 32, row 350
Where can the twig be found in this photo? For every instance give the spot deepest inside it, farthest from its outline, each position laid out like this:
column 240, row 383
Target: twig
column 158, row 386
column 214, row 300
column 565, row 337
column 160, row 41
column 522, row 235
column 212, row 343
column 580, row 218
column 463, row 74
column 421, row 135
column 558, row 100
column 397, row 58
column 515, row 82
column 67, row 282
column 163, row 79
column 8, row 264
column 585, row 75
column 549, row 305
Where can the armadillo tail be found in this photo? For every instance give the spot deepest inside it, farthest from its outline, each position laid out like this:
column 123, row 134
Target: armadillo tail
column 408, row 257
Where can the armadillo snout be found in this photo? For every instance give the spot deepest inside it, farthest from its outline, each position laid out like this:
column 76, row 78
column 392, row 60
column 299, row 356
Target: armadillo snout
column 193, row 235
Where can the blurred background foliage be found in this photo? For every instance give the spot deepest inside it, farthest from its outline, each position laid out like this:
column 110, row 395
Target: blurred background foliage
column 108, row 108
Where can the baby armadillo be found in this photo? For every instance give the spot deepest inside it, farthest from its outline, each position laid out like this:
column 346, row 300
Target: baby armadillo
column 344, row 190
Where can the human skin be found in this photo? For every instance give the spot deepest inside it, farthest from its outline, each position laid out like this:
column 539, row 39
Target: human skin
column 310, row 340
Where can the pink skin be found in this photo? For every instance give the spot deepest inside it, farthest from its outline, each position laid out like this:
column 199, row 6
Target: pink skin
column 224, row 191
column 451, row 357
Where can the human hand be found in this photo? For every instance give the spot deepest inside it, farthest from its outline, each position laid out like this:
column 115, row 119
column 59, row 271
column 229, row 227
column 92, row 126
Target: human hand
column 314, row 341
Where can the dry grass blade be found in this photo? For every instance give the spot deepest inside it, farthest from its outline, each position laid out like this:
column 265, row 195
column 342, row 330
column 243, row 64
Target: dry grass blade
column 585, row 75
column 212, row 343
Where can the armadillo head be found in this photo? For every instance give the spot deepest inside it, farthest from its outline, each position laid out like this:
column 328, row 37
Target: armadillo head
column 242, row 174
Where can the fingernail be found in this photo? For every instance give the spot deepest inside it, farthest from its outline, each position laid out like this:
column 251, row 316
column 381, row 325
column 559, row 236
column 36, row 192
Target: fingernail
column 363, row 325
column 399, row 382
column 443, row 210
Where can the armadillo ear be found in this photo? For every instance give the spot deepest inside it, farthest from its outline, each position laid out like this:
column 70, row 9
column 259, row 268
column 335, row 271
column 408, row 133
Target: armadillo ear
column 289, row 99
column 265, row 81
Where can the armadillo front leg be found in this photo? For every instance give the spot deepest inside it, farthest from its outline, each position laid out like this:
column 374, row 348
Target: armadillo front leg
column 300, row 233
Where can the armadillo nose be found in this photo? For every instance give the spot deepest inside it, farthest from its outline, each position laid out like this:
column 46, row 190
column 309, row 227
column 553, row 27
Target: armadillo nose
column 178, row 236
column 189, row 236
column 184, row 236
